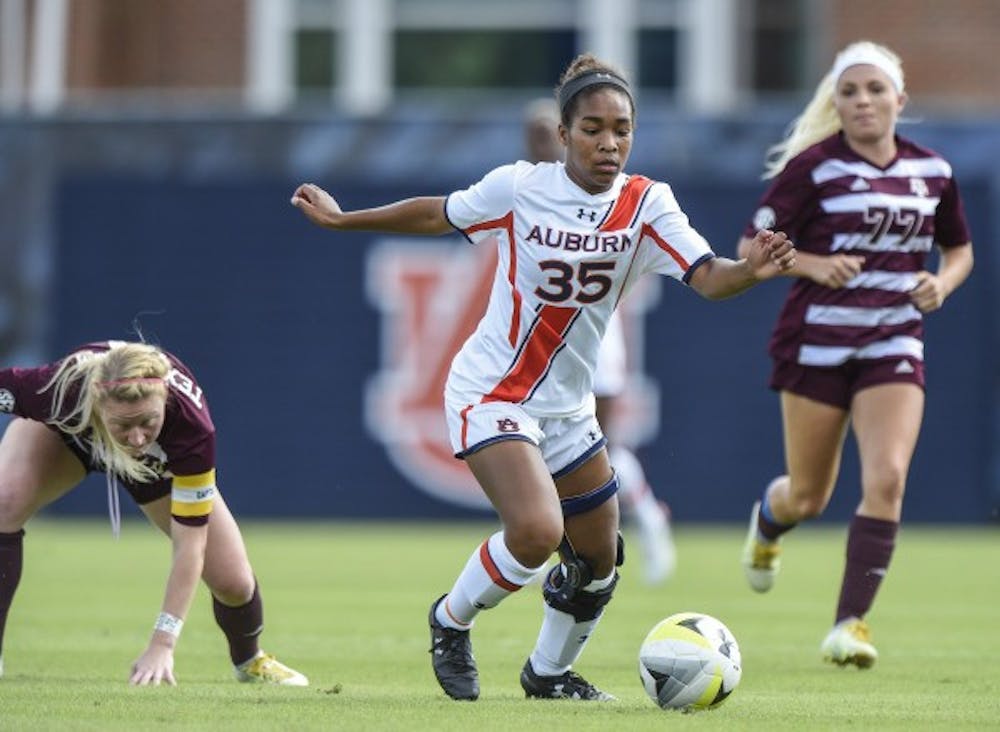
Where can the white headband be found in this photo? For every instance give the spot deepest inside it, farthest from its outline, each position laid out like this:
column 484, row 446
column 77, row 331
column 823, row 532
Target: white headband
column 857, row 55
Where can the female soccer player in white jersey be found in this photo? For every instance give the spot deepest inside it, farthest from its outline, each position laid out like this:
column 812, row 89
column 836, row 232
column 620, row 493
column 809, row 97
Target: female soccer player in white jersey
column 864, row 207
column 638, row 503
column 573, row 238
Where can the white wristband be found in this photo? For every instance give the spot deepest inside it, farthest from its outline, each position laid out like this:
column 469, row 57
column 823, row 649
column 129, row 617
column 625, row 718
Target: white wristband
column 169, row 624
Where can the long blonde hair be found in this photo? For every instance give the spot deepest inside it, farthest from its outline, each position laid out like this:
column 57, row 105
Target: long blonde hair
column 819, row 119
column 126, row 372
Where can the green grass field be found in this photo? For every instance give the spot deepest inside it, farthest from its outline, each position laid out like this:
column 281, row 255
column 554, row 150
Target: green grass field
column 346, row 604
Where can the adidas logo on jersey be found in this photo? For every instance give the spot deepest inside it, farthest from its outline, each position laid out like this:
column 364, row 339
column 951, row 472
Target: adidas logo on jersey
column 860, row 184
column 904, row 367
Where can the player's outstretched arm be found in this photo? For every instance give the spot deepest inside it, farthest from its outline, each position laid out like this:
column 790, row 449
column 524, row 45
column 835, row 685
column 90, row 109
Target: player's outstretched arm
column 424, row 215
column 830, row 270
column 156, row 664
column 768, row 255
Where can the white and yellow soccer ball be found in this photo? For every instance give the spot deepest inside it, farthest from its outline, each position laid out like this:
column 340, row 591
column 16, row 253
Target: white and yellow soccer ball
column 689, row 661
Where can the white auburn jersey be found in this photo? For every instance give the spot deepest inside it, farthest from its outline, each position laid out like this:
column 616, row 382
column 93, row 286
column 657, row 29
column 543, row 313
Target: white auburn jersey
column 566, row 258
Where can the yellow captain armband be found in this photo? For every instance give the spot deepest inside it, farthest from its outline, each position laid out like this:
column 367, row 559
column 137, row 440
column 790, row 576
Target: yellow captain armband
column 191, row 496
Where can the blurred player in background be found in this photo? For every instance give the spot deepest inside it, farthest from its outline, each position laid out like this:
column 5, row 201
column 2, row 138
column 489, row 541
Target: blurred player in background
column 136, row 413
column 864, row 207
column 572, row 240
column 639, row 505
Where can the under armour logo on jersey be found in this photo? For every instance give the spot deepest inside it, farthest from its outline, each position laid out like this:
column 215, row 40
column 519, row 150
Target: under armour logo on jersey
column 860, row 184
column 581, row 214
column 904, row 367
column 507, row 425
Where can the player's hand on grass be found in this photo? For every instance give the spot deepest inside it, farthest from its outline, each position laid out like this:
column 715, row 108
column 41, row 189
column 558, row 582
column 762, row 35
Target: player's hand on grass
column 318, row 205
column 154, row 666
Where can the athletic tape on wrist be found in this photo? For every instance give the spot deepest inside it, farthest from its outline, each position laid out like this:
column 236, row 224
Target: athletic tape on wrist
column 169, row 624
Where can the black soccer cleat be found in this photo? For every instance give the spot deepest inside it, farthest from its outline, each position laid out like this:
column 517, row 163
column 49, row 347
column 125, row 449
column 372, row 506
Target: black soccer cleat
column 451, row 657
column 569, row 685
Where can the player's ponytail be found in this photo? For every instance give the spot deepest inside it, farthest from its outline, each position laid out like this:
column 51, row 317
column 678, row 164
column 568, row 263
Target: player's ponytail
column 818, row 120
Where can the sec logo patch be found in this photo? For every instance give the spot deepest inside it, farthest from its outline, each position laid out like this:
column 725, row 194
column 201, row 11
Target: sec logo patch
column 764, row 218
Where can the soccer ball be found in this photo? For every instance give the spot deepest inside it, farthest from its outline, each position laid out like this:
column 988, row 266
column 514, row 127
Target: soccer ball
column 689, row 661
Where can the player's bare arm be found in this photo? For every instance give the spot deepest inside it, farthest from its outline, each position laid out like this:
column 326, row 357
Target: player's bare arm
column 156, row 663
column 833, row 271
column 932, row 289
column 423, row 215
column 767, row 255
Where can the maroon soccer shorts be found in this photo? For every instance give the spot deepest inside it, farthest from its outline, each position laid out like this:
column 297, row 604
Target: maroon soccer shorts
column 837, row 385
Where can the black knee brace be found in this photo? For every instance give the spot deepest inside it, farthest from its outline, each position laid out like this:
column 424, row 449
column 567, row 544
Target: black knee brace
column 581, row 604
column 563, row 587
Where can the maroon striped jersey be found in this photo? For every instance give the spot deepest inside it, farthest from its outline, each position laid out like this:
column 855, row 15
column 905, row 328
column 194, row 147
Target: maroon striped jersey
column 185, row 445
column 830, row 200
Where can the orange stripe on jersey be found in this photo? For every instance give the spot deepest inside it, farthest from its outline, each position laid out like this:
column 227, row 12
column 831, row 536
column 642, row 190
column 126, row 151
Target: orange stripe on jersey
column 465, row 427
column 507, row 224
column 491, row 569
column 627, row 203
column 542, row 345
column 663, row 244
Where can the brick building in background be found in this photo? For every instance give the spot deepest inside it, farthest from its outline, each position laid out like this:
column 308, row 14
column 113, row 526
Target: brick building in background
column 948, row 48
column 713, row 56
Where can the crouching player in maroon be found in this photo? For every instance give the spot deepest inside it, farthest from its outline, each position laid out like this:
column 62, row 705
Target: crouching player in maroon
column 137, row 414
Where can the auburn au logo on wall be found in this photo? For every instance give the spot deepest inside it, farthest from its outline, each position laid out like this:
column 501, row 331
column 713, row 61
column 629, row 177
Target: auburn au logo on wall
column 431, row 295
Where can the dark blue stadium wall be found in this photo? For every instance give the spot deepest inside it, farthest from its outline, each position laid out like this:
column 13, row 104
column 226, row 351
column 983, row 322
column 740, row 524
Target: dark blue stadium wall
column 273, row 316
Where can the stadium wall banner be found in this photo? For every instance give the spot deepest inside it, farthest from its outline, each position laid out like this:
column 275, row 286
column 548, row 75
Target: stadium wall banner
column 322, row 355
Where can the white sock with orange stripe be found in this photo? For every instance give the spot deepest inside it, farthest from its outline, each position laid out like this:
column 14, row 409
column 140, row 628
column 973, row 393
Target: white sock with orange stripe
column 490, row 575
column 562, row 637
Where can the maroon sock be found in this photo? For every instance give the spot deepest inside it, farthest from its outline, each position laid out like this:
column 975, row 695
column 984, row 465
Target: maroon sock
column 870, row 543
column 767, row 526
column 11, row 563
column 242, row 626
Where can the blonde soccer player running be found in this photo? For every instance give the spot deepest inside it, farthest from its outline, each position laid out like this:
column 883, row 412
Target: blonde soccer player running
column 865, row 207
